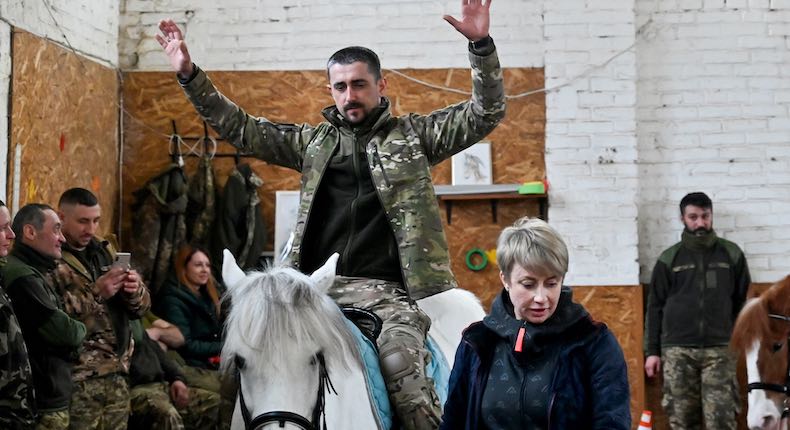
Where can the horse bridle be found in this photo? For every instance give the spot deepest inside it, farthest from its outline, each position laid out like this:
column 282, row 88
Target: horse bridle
column 282, row 417
column 784, row 389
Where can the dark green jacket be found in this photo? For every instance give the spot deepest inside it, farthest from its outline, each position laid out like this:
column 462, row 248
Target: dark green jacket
column 399, row 153
column 17, row 403
column 698, row 287
column 197, row 319
column 52, row 337
column 159, row 225
column 239, row 225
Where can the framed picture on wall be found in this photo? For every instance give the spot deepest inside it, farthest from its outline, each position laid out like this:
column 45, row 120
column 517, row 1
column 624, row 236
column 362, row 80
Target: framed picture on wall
column 286, row 208
column 472, row 166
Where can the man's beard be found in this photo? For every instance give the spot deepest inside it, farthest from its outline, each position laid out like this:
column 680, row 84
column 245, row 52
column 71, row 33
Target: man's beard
column 700, row 231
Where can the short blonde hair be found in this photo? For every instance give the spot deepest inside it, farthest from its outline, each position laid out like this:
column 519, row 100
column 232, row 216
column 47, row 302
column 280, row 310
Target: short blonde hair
column 534, row 245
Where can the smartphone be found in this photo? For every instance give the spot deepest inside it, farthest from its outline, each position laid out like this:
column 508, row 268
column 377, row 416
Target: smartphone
column 122, row 260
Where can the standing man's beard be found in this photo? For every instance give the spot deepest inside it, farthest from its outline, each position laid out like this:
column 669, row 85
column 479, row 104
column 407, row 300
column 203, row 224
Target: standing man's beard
column 701, row 231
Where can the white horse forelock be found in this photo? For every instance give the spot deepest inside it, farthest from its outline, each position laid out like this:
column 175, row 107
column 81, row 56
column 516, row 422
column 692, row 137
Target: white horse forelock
column 275, row 312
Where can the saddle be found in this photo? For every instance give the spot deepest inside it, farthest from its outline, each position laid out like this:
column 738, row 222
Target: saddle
column 366, row 327
column 366, row 321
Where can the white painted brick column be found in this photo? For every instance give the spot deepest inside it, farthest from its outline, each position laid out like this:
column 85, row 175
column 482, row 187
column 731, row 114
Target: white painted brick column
column 591, row 137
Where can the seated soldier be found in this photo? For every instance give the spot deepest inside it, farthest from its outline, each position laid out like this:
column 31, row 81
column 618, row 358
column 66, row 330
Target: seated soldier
column 159, row 396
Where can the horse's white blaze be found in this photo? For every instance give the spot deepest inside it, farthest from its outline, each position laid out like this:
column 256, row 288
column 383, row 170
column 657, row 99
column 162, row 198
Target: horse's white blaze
column 760, row 406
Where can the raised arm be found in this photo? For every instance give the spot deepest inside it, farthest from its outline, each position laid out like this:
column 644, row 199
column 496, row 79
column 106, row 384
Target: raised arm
column 475, row 19
column 172, row 41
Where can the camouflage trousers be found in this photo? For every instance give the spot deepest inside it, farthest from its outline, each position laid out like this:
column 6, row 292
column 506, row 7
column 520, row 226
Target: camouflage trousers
column 700, row 382
column 55, row 420
column 402, row 352
column 100, row 403
column 152, row 409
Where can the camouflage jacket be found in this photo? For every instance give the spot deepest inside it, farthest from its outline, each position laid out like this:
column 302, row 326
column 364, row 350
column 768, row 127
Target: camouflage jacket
column 17, row 405
column 107, row 345
column 399, row 152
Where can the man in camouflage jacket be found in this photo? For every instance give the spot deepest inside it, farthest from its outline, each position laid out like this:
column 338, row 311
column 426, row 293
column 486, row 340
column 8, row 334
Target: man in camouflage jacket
column 366, row 189
column 104, row 298
column 17, row 404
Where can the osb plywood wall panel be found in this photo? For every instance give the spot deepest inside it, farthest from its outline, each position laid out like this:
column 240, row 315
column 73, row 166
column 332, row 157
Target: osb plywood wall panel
column 653, row 392
column 65, row 113
column 621, row 309
column 153, row 99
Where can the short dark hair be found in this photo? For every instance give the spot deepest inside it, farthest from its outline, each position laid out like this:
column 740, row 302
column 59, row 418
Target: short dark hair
column 78, row 196
column 2, row 204
column 352, row 54
column 698, row 199
column 33, row 214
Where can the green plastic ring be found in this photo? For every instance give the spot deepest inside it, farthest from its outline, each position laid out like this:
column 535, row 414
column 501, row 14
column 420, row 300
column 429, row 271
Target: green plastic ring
column 483, row 262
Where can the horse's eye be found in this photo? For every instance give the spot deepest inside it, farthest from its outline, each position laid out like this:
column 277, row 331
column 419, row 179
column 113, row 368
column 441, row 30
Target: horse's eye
column 777, row 346
column 239, row 361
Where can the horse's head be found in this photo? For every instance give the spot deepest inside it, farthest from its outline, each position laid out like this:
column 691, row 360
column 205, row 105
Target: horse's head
column 761, row 333
column 281, row 329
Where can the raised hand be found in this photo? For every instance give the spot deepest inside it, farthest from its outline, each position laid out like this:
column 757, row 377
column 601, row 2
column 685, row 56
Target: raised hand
column 474, row 19
column 172, row 41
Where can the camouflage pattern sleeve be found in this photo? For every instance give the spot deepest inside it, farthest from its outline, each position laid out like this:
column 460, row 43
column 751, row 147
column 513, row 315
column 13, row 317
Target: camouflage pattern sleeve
column 281, row 144
column 450, row 130
column 138, row 302
column 16, row 381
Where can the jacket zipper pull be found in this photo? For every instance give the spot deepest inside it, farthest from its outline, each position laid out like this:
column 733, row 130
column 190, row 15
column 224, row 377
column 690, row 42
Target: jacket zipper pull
column 520, row 339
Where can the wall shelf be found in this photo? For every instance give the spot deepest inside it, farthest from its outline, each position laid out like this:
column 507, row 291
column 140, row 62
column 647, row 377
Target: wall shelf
column 450, row 193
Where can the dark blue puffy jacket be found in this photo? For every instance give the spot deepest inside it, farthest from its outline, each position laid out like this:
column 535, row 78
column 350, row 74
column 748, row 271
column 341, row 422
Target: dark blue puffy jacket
column 589, row 390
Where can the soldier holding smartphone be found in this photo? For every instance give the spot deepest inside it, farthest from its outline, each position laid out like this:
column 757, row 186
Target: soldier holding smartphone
column 102, row 291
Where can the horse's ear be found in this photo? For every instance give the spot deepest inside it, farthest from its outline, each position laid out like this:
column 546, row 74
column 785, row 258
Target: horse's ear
column 231, row 272
column 324, row 276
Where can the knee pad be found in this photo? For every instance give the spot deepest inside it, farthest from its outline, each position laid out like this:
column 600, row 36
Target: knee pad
column 396, row 362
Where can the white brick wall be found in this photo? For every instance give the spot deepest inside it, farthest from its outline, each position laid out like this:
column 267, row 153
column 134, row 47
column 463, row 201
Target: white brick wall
column 714, row 116
column 91, row 26
column 591, row 138
column 5, row 88
column 294, row 35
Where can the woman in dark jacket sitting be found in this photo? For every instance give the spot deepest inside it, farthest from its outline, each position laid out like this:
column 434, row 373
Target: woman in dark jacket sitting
column 538, row 360
column 191, row 302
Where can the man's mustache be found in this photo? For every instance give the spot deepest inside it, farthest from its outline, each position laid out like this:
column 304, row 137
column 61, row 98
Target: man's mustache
column 352, row 105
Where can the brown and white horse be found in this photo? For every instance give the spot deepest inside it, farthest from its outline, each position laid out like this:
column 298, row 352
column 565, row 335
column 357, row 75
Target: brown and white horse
column 761, row 332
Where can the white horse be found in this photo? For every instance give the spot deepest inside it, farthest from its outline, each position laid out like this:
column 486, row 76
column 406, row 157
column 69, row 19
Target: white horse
column 296, row 356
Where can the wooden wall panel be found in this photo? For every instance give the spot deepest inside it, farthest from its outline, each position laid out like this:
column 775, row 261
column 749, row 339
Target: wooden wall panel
column 65, row 112
column 621, row 309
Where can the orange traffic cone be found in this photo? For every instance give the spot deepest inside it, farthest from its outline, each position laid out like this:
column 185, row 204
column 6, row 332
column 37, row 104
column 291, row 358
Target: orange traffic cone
column 645, row 422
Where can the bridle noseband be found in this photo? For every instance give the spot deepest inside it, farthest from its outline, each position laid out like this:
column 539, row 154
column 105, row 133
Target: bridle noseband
column 282, row 417
column 777, row 388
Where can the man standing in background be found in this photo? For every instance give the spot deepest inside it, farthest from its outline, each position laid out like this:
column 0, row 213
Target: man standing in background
column 698, row 287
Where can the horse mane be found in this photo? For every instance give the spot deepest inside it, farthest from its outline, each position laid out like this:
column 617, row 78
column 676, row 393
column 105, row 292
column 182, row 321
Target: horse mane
column 753, row 322
column 275, row 311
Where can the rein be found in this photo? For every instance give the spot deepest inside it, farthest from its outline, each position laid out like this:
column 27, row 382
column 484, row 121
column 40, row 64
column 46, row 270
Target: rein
column 777, row 388
column 282, row 417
